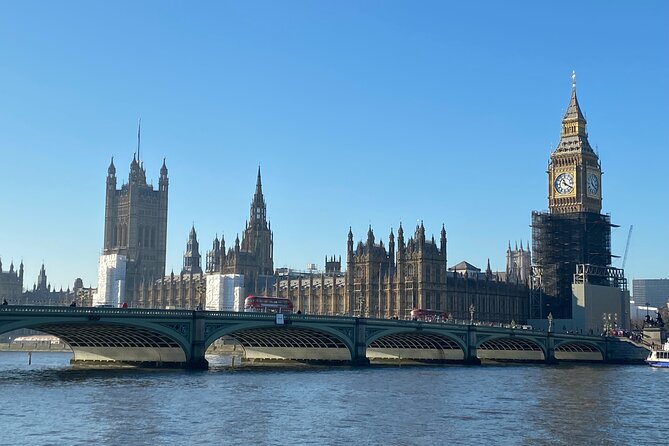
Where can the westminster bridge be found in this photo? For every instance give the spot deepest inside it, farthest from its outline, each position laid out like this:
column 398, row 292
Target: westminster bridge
column 180, row 338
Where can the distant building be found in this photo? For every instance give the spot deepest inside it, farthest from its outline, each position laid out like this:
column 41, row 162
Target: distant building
column 136, row 224
column 518, row 264
column 43, row 294
column 654, row 292
column 11, row 283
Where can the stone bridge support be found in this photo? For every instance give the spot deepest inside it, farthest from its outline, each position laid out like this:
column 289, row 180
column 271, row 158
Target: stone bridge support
column 359, row 353
column 198, row 350
column 550, row 348
column 470, row 355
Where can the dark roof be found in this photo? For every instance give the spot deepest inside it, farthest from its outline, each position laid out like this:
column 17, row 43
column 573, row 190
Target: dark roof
column 465, row 266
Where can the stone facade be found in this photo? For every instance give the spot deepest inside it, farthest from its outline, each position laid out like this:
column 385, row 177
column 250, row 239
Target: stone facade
column 518, row 264
column 390, row 283
column 185, row 290
column 11, row 283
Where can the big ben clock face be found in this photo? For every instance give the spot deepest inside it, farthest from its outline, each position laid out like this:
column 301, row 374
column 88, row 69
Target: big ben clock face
column 593, row 184
column 564, row 183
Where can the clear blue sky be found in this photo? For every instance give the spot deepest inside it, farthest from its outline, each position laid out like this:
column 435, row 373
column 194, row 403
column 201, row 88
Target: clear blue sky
column 358, row 113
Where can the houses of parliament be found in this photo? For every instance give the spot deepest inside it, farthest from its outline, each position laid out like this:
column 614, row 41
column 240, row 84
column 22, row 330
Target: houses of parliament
column 376, row 279
column 377, row 282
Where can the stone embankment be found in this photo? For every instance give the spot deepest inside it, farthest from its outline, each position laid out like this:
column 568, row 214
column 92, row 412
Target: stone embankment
column 34, row 346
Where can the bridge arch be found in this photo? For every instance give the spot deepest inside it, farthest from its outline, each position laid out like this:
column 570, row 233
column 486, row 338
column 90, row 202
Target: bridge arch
column 578, row 350
column 504, row 347
column 422, row 345
column 263, row 340
column 101, row 340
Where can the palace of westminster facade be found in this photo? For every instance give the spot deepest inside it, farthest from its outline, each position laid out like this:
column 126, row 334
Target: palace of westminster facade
column 378, row 281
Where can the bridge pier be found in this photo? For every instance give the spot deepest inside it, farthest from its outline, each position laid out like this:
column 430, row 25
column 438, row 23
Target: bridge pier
column 550, row 348
column 197, row 364
column 197, row 360
column 359, row 353
column 471, row 356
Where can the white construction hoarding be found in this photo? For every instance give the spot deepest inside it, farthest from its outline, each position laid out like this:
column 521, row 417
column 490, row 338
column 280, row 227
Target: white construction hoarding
column 225, row 292
column 111, row 280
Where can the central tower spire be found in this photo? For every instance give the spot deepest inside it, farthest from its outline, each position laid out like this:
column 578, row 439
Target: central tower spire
column 258, row 208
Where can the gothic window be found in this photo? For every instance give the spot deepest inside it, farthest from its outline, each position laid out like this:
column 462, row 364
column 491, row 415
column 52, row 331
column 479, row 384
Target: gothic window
column 428, row 276
column 410, row 270
column 140, row 238
column 153, row 236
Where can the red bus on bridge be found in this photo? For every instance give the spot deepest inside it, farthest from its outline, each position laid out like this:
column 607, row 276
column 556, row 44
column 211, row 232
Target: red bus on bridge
column 267, row 304
column 418, row 314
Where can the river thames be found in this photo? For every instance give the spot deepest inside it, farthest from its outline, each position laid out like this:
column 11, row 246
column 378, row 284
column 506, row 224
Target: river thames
column 51, row 403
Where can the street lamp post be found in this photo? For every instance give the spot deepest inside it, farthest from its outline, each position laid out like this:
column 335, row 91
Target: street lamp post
column 200, row 288
column 550, row 322
column 472, row 310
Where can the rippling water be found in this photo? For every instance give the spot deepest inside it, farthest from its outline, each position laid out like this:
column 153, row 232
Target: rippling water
column 51, row 403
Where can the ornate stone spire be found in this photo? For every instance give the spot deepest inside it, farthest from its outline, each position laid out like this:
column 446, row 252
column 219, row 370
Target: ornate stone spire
column 41, row 279
column 192, row 254
column 258, row 207
column 574, row 135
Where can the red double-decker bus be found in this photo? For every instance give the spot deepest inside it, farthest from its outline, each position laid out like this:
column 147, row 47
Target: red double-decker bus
column 418, row 314
column 266, row 304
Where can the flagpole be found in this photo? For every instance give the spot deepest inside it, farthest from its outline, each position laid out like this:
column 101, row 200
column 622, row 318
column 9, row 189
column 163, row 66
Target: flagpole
column 139, row 130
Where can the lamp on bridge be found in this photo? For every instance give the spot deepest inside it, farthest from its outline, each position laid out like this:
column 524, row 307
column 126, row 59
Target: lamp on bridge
column 200, row 288
column 472, row 310
column 550, row 322
column 361, row 306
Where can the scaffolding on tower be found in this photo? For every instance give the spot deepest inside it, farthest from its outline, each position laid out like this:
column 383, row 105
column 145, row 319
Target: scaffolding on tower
column 560, row 242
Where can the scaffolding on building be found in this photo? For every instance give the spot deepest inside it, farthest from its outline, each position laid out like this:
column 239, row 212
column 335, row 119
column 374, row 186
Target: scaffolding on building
column 601, row 275
column 560, row 242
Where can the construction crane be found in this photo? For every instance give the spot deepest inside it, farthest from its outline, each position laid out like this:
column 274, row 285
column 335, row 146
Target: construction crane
column 627, row 246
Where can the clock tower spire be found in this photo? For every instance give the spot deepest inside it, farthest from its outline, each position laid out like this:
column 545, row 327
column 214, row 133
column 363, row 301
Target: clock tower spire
column 574, row 171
